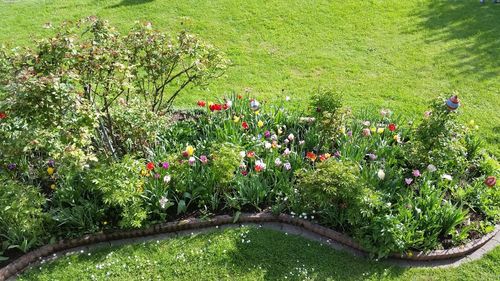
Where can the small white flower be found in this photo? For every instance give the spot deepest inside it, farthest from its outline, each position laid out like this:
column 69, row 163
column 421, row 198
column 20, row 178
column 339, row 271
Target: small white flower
column 163, row 202
column 431, row 168
column 267, row 145
column 287, row 98
column 242, row 154
column 166, row 179
column 381, row 174
column 286, row 152
column 447, row 177
column 302, row 142
column 286, row 141
column 277, row 162
column 291, row 137
column 288, row 166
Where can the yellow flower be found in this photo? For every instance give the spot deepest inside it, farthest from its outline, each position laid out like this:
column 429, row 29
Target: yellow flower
column 274, row 144
column 236, row 119
column 190, row 150
column 397, row 138
column 260, row 124
column 280, row 131
column 373, row 129
column 53, row 186
column 342, row 130
column 50, row 171
column 257, row 112
column 327, row 155
column 104, row 222
column 380, row 130
column 144, row 173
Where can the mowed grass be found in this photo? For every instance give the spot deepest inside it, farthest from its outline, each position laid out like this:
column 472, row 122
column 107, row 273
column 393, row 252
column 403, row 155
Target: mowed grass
column 243, row 254
column 379, row 54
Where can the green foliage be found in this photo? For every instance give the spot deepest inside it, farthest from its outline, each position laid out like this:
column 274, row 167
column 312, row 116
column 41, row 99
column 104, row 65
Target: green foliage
column 334, row 189
column 22, row 220
column 122, row 187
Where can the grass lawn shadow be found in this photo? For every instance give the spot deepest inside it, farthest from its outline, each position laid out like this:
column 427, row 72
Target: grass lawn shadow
column 129, row 3
column 452, row 22
column 294, row 258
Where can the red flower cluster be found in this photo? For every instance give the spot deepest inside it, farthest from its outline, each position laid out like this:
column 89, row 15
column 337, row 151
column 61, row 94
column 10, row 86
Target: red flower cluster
column 201, row 103
column 215, row 107
column 244, row 125
column 392, row 127
column 3, row 115
column 311, row 156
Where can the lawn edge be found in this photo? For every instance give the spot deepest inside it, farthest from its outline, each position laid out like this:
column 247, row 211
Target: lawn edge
column 18, row 265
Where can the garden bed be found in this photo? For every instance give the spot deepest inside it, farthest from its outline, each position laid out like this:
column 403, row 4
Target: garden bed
column 80, row 157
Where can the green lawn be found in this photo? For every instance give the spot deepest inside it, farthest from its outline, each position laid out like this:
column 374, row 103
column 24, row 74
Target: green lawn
column 392, row 54
column 243, row 254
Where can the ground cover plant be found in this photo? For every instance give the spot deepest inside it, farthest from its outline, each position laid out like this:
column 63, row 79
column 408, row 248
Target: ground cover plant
column 88, row 135
column 245, row 253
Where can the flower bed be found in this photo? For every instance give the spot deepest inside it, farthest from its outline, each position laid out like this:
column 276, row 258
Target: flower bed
column 93, row 158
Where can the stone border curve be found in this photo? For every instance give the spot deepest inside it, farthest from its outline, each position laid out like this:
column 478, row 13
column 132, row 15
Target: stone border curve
column 24, row 261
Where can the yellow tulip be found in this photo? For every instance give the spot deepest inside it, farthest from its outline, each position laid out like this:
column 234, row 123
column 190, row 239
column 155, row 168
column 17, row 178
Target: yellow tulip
column 236, row 119
column 380, row 130
column 50, row 171
column 260, row 124
column 53, row 186
column 190, row 150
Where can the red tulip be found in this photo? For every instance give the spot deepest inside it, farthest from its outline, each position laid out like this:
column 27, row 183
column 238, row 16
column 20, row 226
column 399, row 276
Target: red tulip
column 244, row 125
column 490, row 181
column 3, row 115
column 215, row 107
column 392, row 127
column 150, row 166
column 311, row 156
column 201, row 103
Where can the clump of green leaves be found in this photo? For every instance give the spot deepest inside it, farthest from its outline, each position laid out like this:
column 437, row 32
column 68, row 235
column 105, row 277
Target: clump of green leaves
column 22, row 220
column 334, row 190
column 122, row 186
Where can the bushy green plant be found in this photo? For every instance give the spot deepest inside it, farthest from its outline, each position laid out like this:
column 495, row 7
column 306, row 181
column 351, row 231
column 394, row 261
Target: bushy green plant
column 122, row 187
column 22, row 220
column 334, row 189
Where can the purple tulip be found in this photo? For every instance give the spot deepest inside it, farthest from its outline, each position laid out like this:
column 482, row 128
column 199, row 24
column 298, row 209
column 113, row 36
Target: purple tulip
column 267, row 134
column 203, row 159
column 165, row 165
column 408, row 181
column 11, row 166
column 416, row 173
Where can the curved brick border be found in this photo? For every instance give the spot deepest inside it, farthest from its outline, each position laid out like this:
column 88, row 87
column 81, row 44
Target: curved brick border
column 21, row 263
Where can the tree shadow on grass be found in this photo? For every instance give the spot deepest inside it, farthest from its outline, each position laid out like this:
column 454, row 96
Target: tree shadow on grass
column 130, row 3
column 296, row 258
column 455, row 21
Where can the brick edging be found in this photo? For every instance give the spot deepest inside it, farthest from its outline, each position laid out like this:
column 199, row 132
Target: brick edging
column 22, row 262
